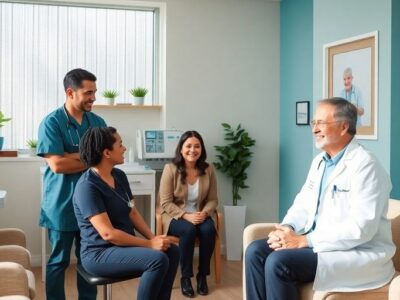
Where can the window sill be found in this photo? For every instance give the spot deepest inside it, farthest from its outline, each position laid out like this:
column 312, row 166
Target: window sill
column 127, row 106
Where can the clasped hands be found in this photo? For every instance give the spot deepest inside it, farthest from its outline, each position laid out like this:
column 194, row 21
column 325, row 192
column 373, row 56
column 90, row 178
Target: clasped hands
column 196, row 217
column 283, row 237
column 160, row 242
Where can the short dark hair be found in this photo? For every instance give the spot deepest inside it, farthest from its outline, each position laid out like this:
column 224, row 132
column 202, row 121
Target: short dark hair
column 179, row 161
column 344, row 111
column 75, row 77
column 94, row 142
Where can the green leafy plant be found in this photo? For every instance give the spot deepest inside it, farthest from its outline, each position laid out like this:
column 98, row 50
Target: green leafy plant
column 138, row 92
column 3, row 119
column 235, row 158
column 110, row 94
column 32, row 143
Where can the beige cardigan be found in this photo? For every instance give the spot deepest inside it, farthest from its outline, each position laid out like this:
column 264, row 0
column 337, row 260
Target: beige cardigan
column 173, row 194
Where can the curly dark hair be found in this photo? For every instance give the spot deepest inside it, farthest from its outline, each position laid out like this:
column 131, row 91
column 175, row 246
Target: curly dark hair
column 94, row 142
column 179, row 161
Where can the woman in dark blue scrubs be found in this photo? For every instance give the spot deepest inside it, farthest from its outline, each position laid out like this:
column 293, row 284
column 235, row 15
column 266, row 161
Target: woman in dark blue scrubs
column 107, row 218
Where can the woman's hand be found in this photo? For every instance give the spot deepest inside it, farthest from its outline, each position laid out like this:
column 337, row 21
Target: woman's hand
column 160, row 242
column 195, row 218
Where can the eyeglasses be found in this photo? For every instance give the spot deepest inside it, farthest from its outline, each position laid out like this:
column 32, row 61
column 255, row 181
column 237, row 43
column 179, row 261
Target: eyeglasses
column 322, row 124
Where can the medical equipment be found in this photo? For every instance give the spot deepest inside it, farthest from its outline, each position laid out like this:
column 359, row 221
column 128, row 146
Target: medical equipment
column 70, row 124
column 155, row 147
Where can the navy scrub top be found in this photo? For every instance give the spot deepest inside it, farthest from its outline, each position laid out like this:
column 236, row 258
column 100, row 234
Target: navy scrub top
column 93, row 196
column 57, row 135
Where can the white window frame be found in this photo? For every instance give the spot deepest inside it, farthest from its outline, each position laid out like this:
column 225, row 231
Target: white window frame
column 159, row 9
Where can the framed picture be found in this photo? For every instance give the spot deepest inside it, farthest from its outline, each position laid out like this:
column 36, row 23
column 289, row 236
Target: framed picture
column 350, row 72
column 302, row 112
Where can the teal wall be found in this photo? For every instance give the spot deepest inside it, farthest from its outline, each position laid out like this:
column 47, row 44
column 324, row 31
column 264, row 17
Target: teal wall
column 296, row 85
column 395, row 108
column 341, row 19
column 306, row 22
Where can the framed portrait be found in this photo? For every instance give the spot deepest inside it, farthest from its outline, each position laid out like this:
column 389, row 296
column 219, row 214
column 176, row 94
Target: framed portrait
column 350, row 72
column 302, row 112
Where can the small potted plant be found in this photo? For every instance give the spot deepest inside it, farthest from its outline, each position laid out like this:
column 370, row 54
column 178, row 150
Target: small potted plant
column 138, row 94
column 32, row 144
column 110, row 96
column 234, row 159
column 3, row 119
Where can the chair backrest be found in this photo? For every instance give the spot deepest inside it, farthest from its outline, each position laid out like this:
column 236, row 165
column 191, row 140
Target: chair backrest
column 394, row 216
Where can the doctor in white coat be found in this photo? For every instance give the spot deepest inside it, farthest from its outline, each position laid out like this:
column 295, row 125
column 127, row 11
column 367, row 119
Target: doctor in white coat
column 336, row 232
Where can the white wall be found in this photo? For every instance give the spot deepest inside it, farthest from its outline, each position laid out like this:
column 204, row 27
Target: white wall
column 222, row 66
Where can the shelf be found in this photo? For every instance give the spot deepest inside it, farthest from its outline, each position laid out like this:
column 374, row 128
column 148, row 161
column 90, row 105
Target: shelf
column 127, row 106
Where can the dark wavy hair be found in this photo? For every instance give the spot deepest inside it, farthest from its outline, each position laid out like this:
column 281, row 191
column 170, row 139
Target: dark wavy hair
column 94, row 142
column 179, row 161
column 75, row 77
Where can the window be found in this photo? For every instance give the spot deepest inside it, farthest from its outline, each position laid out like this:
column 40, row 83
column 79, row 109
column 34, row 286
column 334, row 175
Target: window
column 39, row 44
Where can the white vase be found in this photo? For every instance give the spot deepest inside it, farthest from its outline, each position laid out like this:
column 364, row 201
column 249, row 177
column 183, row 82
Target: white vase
column 110, row 101
column 32, row 151
column 138, row 100
column 235, row 217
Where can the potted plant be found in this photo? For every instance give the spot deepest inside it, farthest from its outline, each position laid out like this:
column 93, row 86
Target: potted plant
column 3, row 119
column 110, row 96
column 234, row 159
column 138, row 94
column 32, row 144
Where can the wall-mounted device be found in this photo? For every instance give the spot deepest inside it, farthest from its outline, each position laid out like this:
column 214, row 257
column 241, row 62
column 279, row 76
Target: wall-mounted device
column 155, row 147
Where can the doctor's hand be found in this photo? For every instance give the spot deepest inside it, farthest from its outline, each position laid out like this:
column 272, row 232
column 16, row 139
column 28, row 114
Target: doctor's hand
column 283, row 237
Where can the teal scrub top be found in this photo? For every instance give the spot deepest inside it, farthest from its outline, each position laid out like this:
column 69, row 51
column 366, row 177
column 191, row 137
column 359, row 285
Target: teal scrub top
column 58, row 134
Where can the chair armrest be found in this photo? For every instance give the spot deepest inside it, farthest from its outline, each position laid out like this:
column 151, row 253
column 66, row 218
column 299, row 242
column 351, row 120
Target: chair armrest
column 256, row 231
column 17, row 254
column 394, row 288
column 220, row 223
column 12, row 236
column 14, row 280
column 159, row 224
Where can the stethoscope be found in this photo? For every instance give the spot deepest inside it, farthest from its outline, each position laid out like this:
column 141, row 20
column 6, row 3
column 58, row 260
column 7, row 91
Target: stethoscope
column 129, row 202
column 71, row 124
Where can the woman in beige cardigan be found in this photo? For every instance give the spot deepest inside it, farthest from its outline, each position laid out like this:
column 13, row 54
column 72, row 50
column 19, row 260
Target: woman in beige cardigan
column 188, row 198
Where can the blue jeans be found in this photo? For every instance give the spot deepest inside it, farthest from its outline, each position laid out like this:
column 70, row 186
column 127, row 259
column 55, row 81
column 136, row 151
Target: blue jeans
column 274, row 275
column 187, row 233
column 61, row 244
column 157, row 269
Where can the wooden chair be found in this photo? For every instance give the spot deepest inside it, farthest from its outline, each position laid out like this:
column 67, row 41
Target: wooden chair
column 217, row 248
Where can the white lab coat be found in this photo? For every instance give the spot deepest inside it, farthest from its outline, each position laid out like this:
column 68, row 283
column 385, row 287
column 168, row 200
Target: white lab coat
column 352, row 237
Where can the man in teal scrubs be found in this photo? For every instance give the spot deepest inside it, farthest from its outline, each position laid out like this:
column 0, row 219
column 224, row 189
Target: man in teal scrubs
column 59, row 136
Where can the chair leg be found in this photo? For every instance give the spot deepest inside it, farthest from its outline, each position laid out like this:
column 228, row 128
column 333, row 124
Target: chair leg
column 107, row 292
column 217, row 261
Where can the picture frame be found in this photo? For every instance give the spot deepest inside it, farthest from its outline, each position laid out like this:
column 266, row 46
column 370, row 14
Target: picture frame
column 303, row 113
column 350, row 72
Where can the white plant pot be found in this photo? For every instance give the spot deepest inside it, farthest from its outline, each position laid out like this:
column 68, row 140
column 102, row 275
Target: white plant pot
column 235, row 217
column 110, row 101
column 32, row 151
column 138, row 100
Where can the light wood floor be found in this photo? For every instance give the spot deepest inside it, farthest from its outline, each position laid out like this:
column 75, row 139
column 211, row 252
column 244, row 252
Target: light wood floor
column 230, row 287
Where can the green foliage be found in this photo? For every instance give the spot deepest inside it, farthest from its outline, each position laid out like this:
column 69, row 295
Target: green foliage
column 32, row 143
column 138, row 92
column 235, row 158
column 110, row 94
column 3, row 119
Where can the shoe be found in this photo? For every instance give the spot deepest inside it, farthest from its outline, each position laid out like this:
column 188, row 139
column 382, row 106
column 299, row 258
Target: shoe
column 202, row 287
column 186, row 287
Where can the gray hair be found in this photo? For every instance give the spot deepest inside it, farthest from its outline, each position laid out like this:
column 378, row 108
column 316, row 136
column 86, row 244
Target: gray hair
column 344, row 111
column 348, row 71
